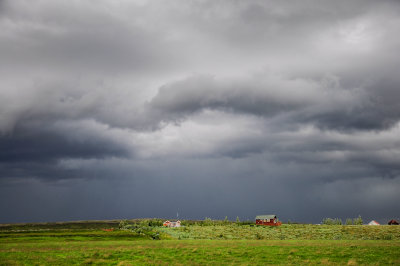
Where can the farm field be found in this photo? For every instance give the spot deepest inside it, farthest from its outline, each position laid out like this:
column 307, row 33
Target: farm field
column 196, row 244
column 289, row 232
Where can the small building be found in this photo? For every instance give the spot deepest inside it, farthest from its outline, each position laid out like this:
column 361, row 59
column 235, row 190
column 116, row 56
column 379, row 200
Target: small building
column 172, row 224
column 373, row 222
column 393, row 222
column 269, row 219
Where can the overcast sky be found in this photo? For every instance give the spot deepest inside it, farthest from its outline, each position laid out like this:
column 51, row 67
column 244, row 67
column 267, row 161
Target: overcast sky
column 128, row 109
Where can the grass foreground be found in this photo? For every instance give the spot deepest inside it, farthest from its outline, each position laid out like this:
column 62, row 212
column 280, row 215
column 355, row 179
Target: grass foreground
column 202, row 245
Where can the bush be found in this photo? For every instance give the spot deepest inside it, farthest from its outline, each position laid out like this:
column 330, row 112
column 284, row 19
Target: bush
column 123, row 224
column 226, row 221
column 259, row 236
column 189, row 222
column 207, row 221
column 388, row 237
column 349, row 221
column 358, row 220
column 246, row 223
column 330, row 221
column 143, row 227
column 151, row 222
column 327, row 221
column 155, row 235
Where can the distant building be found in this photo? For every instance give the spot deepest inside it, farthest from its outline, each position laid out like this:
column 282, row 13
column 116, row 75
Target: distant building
column 373, row 222
column 269, row 219
column 172, row 224
column 393, row 222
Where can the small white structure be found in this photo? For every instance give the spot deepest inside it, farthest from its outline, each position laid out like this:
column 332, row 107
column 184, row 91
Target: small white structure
column 373, row 222
column 172, row 224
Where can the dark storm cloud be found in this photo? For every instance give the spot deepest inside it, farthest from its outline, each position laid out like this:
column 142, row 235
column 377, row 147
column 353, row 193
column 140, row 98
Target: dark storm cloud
column 34, row 149
column 103, row 103
column 49, row 144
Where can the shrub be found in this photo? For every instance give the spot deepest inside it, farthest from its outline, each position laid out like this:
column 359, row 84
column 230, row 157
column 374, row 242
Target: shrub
column 330, row 221
column 259, row 236
column 155, row 235
column 143, row 227
column 226, row 221
column 358, row 220
column 123, row 224
column 151, row 222
column 388, row 237
column 337, row 221
column 207, row 221
column 246, row 223
column 327, row 221
column 337, row 237
column 349, row 221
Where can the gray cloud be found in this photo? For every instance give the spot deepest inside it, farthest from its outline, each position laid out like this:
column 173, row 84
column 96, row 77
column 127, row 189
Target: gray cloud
column 213, row 102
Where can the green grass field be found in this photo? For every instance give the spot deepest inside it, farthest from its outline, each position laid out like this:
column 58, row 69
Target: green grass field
column 195, row 244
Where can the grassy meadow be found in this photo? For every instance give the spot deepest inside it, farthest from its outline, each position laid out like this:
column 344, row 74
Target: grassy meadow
column 142, row 242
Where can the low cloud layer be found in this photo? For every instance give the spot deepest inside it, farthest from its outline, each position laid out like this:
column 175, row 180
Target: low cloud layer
column 221, row 104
